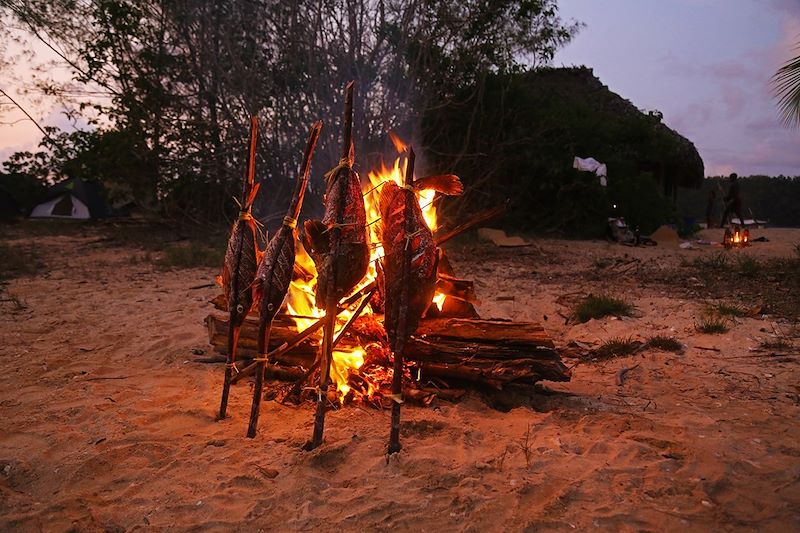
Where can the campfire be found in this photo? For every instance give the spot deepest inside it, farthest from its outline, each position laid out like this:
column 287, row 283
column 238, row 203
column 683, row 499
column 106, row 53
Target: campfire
column 441, row 355
column 736, row 238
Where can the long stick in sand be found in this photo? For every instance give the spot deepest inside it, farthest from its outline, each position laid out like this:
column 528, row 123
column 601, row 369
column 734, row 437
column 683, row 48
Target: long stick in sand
column 402, row 326
column 275, row 274
column 240, row 265
column 345, row 252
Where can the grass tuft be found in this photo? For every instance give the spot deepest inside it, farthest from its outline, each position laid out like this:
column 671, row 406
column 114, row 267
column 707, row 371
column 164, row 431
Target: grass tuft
column 617, row 347
column 665, row 342
column 777, row 344
column 712, row 324
column 747, row 266
column 724, row 309
column 717, row 261
column 599, row 306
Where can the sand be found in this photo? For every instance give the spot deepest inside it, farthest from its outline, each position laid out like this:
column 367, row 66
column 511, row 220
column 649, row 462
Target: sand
column 107, row 424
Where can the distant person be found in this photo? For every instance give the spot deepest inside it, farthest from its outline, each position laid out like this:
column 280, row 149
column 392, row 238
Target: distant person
column 733, row 201
column 712, row 198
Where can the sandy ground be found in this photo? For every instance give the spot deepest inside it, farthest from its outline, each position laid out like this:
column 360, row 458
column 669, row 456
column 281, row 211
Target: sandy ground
column 106, row 424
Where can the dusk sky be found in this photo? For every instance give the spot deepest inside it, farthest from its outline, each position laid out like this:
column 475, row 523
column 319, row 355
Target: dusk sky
column 705, row 64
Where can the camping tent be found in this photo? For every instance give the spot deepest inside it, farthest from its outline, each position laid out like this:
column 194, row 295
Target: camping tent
column 73, row 199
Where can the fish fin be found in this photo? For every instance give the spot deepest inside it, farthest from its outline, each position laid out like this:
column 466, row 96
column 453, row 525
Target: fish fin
column 315, row 237
column 388, row 192
column 448, row 184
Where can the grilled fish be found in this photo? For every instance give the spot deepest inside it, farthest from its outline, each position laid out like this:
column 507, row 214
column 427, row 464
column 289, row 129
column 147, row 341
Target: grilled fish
column 339, row 244
column 275, row 273
column 239, row 268
column 396, row 234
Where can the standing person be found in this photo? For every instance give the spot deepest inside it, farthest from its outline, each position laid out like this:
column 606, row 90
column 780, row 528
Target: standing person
column 733, row 202
column 712, row 198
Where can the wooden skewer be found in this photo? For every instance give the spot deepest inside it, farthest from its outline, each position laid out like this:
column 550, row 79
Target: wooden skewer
column 233, row 334
column 274, row 281
column 332, row 298
column 402, row 325
column 299, row 384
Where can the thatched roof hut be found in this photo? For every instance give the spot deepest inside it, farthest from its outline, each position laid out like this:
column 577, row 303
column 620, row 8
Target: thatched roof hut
column 671, row 156
column 515, row 136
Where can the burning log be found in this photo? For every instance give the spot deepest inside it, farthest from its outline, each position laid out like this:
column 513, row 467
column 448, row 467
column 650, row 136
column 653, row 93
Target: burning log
column 275, row 273
column 239, row 270
column 491, row 353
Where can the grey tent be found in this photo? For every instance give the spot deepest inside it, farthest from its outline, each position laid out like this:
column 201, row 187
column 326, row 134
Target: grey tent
column 73, row 199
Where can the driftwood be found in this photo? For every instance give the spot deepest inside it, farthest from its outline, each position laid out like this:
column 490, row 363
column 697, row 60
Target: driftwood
column 487, row 352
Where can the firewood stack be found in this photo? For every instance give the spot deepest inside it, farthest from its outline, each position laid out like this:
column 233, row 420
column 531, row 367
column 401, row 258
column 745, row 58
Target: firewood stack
column 458, row 351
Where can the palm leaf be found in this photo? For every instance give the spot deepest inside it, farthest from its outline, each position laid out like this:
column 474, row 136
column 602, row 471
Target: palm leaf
column 786, row 83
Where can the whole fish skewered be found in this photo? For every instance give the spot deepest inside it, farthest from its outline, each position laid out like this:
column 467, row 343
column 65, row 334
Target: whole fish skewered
column 410, row 269
column 239, row 269
column 275, row 274
column 339, row 246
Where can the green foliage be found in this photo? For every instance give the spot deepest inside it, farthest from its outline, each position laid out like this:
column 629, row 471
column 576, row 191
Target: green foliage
column 787, row 88
column 665, row 343
column 712, row 324
column 116, row 158
column 181, row 80
column 599, row 306
column 25, row 189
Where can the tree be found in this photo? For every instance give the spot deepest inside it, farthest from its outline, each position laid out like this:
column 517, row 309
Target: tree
column 787, row 89
column 181, row 77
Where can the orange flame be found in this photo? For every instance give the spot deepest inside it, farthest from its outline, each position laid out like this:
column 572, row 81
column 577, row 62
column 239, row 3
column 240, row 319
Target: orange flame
column 300, row 301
